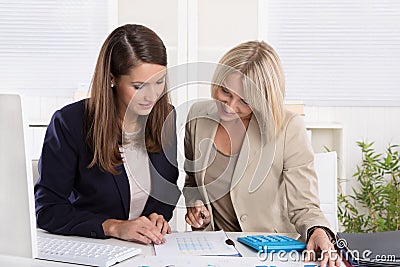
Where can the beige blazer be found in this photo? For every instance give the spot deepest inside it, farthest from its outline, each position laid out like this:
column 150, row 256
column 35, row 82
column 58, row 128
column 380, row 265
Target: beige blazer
column 274, row 186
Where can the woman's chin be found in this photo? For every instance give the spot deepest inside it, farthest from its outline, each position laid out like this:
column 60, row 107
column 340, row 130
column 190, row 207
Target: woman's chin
column 141, row 111
column 228, row 118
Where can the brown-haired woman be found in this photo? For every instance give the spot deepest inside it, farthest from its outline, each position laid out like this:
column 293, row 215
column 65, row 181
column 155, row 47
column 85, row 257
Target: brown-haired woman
column 104, row 170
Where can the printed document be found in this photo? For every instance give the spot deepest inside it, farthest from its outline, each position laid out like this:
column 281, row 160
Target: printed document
column 202, row 243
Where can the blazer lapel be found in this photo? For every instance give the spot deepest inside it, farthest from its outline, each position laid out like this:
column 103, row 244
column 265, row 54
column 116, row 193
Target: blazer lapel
column 207, row 128
column 249, row 150
column 264, row 159
column 121, row 180
column 254, row 161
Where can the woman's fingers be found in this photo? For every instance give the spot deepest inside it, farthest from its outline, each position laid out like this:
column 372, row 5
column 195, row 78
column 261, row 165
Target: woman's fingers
column 161, row 224
column 139, row 238
column 198, row 215
column 153, row 234
column 165, row 228
column 191, row 218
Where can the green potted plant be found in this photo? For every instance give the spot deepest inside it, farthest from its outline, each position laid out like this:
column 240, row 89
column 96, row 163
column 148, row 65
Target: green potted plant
column 375, row 205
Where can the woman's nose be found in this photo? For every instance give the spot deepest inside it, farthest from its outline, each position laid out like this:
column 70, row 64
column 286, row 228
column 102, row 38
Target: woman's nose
column 232, row 104
column 151, row 94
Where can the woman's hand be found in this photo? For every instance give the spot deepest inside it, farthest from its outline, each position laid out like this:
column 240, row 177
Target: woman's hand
column 198, row 215
column 319, row 241
column 141, row 230
column 161, row 224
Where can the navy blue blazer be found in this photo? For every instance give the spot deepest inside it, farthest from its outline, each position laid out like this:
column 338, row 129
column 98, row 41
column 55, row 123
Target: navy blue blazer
column 72, row 199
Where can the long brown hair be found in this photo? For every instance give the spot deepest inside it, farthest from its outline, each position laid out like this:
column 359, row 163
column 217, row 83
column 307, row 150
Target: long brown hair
column 125, row 48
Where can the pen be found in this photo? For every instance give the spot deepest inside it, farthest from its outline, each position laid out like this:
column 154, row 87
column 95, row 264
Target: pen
column 230, row 242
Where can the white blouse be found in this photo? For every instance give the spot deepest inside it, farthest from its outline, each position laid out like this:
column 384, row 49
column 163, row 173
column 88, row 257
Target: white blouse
column 136, row 163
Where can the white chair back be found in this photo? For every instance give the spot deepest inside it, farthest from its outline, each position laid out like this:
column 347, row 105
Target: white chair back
column 325, row 165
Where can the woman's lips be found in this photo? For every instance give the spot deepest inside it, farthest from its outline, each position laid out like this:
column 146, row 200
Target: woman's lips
column 148, row 105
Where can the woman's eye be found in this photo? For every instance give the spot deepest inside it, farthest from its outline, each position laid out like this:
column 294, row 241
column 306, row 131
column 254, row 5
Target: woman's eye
column 160, row 81
column 225, row 90
column 245, row 102
column 138, row 86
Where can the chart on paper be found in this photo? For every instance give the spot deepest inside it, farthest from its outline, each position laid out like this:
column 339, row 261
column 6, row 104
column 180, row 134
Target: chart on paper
column 196, row 243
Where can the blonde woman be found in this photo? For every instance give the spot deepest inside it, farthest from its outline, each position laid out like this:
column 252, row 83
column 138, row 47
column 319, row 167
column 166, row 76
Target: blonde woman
column 249, row 162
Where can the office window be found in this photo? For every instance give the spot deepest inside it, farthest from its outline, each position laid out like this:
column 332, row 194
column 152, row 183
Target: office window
column 337, row 52
column 50, row 47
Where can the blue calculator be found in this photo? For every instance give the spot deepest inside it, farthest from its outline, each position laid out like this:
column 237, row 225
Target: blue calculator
column 272, row 242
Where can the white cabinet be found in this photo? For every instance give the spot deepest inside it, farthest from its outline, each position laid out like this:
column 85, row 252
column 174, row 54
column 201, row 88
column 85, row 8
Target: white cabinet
column 325, row 136
column 328, row 136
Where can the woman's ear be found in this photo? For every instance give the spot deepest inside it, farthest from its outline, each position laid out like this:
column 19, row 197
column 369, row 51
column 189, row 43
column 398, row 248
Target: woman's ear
column 112, row 79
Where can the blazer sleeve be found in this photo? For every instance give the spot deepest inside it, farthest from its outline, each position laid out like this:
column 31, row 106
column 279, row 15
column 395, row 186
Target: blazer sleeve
column 58, row 168
column 301, row 180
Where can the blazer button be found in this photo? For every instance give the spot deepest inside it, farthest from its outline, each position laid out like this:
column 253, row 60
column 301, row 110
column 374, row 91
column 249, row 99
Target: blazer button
column 243, row 218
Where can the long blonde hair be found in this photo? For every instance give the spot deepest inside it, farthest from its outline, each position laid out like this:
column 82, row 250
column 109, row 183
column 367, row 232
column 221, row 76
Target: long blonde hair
column 125, row 48
column 263, row 82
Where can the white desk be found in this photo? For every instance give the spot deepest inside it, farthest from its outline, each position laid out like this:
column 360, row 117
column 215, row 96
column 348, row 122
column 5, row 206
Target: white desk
column 147, row 250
